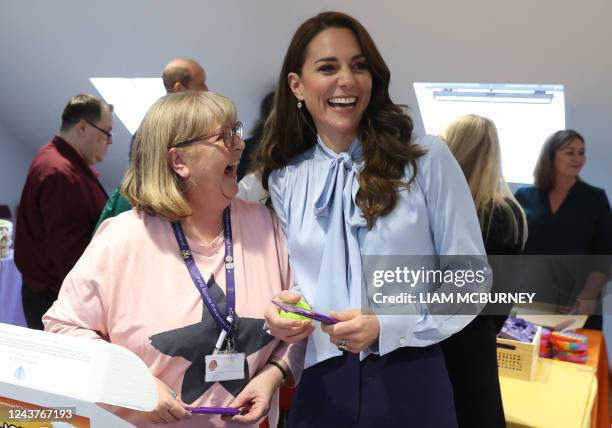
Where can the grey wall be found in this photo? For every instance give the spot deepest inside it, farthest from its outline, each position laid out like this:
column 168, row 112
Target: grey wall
column 50, row 49
column 15, row 161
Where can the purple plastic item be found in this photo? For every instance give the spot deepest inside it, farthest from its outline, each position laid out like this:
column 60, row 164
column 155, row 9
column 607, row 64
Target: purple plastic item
column 518, row 329
column 287, row 307
column 231, row 411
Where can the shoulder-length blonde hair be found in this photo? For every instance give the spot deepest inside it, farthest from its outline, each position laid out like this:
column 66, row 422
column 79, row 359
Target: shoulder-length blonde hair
column 150, row 184
column 474, row 142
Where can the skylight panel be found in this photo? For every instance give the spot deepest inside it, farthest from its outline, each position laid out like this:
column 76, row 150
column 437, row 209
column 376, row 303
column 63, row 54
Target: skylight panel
column 525, row 115
column 130, row 97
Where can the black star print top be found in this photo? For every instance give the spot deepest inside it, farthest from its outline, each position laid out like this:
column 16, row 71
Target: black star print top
column 131, row 287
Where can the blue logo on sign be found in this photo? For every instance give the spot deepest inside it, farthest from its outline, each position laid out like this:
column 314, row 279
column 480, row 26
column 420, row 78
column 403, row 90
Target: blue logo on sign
column 19, row 373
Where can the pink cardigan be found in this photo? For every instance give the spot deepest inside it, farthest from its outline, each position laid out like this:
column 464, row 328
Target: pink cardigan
column 131, row 287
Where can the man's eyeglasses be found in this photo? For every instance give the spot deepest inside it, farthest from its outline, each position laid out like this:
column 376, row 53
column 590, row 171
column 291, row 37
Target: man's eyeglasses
column 227, row 133
column 108, row 134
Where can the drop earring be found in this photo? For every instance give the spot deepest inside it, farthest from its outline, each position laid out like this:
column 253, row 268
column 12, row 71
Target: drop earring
column 299, row 104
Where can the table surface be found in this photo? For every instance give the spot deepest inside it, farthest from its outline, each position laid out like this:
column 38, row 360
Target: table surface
column 562, row 394
column 598, row 359
column 11, row 309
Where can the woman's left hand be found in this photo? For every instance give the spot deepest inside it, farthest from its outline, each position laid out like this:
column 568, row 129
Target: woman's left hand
column 255, row 398
column 355, row 330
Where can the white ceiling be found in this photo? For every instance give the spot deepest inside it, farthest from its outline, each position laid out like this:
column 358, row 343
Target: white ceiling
column 49, row 49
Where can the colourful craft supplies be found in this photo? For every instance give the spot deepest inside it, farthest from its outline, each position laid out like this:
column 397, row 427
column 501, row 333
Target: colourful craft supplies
column 518, row 329
column 545, row 345
column 564, row 336
column 570, row 347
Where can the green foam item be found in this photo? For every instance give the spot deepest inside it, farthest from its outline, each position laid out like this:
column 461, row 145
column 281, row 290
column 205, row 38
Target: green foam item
column 301, row 304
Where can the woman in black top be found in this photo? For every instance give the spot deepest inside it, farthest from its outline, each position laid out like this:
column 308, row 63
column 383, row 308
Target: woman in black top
column 471, row 354
column 567, row 216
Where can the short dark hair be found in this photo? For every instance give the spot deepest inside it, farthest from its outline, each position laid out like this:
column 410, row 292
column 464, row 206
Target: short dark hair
column 83, row 107
column 176, row 73
column 544, row 172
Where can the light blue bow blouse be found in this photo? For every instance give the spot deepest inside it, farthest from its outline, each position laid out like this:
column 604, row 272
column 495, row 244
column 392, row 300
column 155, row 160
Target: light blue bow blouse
column 326, row 236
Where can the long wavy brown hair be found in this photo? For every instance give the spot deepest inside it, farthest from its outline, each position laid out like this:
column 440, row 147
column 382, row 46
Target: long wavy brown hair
column 385, row 128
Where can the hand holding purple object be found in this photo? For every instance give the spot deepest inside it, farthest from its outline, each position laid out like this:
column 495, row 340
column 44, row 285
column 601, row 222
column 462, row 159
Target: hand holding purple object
column 325, row 319
column 231, row 411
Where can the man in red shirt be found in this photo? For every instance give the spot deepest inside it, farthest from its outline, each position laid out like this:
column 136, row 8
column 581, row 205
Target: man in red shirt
column 60, row 203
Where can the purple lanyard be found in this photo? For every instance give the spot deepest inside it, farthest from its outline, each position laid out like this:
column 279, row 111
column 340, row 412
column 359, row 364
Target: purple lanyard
column 196, row 276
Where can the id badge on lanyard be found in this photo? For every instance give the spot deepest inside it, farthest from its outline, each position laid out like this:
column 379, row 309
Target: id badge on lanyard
column 222, row 364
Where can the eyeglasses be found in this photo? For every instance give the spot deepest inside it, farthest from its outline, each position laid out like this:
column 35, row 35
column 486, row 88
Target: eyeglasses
column 108, row 134
column 227, row 133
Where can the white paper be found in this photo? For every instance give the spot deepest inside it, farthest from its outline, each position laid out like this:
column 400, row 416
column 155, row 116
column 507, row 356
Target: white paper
column 546, row 315
column 84, row 369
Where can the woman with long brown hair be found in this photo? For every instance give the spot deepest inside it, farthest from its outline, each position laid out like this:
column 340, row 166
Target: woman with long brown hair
column 348, row 179
column 568, row 216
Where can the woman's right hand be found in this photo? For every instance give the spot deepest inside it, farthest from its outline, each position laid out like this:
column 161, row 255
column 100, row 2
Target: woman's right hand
column 287, row 329
column 169, row 409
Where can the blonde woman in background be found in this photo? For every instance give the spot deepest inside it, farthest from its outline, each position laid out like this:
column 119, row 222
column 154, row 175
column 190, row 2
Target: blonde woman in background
column 470, row 355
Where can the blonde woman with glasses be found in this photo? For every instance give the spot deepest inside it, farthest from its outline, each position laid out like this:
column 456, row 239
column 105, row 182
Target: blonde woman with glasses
column 470, row 355
column 183, row 279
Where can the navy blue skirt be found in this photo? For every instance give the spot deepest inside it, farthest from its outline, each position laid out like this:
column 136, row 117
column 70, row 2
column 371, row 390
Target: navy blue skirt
column 408, row 387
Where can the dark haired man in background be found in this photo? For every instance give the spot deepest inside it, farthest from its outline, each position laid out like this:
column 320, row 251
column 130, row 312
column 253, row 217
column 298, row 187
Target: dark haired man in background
column 60, row 203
